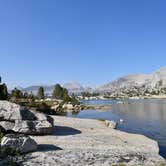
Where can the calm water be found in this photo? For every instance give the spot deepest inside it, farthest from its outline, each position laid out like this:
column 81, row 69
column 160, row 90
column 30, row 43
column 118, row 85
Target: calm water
column 146, row 117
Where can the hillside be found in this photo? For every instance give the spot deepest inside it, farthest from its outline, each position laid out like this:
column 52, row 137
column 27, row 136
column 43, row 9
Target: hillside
column 137, row 80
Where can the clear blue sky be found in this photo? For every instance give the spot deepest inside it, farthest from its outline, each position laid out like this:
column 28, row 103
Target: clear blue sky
column 89, row 41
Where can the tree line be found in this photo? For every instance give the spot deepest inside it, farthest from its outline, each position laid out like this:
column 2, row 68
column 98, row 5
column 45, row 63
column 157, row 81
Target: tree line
column 58, row 93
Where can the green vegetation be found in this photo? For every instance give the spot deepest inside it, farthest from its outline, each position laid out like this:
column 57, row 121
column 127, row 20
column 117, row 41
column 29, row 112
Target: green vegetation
column 88, row 94
column 45, row 108
column 1, row 136
column 60, row 97
column 39, row 106
column 58, row 92
column 11, row 156
column 120, row 164
column 16, row 93
column 74, row 100
column 62, row 94
column 3, row 92
column 162, row 164
column 40, row 93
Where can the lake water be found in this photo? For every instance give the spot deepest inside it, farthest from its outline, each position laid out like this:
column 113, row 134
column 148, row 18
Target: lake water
column 147, row 117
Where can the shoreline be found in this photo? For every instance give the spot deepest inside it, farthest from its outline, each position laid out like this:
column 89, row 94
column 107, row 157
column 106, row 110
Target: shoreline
column 128, row 98
column 89, row 142
column 97, row 107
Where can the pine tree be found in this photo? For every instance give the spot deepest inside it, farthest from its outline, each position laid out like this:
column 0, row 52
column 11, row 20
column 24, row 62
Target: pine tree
column 16, row 93
column 40, row 93
column 3, row 92
column 58, row 92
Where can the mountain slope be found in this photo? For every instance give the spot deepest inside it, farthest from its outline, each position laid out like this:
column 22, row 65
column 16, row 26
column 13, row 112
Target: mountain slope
column 148, row 80
column 73, row 87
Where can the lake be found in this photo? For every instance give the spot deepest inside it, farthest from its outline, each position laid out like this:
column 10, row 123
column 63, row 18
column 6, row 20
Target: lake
column 147, row 117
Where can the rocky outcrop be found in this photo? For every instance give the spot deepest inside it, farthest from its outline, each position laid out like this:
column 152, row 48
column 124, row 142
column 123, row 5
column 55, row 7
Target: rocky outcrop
column 14, row 118
column 7, row 125
column 17, row 143
column 80, row 142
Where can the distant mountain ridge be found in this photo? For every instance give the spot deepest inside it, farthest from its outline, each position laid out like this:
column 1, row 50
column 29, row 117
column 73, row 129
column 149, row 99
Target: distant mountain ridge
column 72, row 87
column 127, row 82
column 34, row 89
column 147, row 80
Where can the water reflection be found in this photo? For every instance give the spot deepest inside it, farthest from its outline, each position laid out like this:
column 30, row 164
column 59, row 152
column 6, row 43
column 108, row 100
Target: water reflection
column 142, row 109
column 146, row 117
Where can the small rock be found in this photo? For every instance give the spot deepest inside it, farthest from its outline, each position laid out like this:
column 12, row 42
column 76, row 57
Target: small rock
column 107, row 122
column 111, row 124
column 54, row 107
column 68, row 106
column 121, row 121
column 20, row 143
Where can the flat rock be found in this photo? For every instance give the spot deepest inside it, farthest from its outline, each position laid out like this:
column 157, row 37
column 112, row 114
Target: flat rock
column 77, row 142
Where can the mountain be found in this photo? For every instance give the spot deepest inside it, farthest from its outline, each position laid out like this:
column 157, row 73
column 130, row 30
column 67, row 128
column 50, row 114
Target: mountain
column 34, row 89
column 72, row 87
column 136, row 80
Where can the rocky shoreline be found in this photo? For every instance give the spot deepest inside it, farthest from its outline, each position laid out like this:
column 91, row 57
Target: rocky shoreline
column 68, row 107
column 161, row 96
column 40, row 139
column 90, row 142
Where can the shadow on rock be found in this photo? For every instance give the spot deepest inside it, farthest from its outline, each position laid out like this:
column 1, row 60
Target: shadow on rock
column 65, row 131
column 47, row 147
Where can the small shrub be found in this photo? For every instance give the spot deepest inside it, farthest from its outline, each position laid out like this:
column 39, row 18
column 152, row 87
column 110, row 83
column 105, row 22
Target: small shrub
column 44, row 108
column 1, row 136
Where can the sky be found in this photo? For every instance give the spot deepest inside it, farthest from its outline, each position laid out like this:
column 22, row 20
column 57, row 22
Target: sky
column 88, row 41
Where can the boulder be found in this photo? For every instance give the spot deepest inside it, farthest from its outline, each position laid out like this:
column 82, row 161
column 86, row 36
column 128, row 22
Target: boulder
column 14, row 118
column 8, row 126
column 68, row 106
column 121, row 121
column 17, row 143
column 33, row 127
column 11, row 112
column 54, row 107
column 107, row 122
column 111, row 124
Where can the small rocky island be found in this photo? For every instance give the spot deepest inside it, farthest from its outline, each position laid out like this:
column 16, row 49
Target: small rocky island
column 30, row 138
